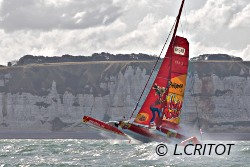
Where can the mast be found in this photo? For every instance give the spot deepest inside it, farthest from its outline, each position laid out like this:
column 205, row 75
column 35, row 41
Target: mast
column 173, row 37
column 165, row 98
column 172, row 46
column 178, row 19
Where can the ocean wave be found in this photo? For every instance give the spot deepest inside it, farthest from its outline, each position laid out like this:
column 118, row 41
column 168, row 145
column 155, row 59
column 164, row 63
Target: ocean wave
column 110, row 153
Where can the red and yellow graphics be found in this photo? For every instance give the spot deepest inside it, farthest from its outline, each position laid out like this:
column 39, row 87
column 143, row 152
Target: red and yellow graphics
column 165, row 99
column 174, row 99
column 142, row 117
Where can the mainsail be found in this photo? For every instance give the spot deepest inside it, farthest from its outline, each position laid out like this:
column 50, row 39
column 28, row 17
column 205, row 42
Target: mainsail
column 165, row 98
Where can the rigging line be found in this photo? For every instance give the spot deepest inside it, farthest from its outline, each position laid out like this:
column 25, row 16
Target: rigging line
column 153, row 70
column 172, row 42
column 175, row 26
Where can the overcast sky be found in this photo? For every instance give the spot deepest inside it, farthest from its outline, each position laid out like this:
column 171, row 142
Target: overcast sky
column 83, row 27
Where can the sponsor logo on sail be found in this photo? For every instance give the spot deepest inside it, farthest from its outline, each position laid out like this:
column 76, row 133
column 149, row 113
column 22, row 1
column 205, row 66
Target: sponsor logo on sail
column 142, row 117
column 179, row 50
column 175, row 85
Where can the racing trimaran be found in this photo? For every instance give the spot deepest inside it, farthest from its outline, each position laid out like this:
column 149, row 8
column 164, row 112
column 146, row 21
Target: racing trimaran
column 159, row 117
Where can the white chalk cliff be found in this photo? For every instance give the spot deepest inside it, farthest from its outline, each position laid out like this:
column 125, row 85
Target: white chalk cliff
column 54, row 97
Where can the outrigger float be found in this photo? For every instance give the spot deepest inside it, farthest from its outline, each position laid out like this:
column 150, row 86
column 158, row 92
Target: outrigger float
column 159, row 117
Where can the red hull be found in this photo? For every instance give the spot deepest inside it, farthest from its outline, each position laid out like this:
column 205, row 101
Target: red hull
column 159, row 134
column 102, row 125
column 171, row 134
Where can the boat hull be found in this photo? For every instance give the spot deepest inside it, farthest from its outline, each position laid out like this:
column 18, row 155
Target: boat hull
column 140, row 133
column 147, row 134
column 100, row 125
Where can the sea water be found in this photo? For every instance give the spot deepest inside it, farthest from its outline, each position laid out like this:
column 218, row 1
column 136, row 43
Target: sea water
column 73, row 152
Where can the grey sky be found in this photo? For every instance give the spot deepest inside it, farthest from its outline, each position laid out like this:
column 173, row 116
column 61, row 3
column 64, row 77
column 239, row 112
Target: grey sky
column 82, row 27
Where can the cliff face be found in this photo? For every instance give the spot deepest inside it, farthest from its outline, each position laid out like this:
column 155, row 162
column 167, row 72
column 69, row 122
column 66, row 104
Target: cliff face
column 54, row 97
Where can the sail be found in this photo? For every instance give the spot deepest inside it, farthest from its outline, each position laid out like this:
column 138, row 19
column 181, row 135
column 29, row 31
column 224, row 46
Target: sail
column 165, row 98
